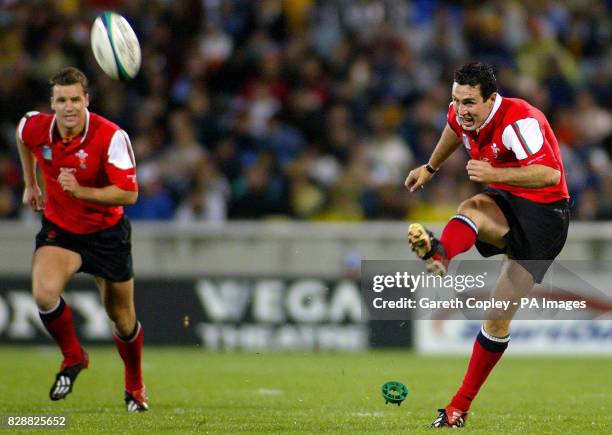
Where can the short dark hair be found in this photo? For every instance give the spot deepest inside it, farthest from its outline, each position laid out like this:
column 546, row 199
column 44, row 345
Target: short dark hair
column 477, row 73
column 69, row 76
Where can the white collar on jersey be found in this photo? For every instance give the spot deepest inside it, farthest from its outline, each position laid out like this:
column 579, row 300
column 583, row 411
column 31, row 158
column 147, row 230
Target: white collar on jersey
column 496, row 104
column 84, row 131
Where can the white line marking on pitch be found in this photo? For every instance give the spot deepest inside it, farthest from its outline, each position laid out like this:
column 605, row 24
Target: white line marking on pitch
column 269, row 392
column 367, row 414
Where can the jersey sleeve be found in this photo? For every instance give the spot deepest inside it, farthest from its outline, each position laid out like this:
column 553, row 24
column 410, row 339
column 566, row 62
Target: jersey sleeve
column 451, row 118
column 24, row 130
column 120, row 163
column 525, row 139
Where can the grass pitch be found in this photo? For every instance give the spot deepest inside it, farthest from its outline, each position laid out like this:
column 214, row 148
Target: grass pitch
column 193, row 391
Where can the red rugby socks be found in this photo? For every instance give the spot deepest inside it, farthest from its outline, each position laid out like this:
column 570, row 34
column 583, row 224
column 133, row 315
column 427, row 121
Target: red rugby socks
column 459, row 235
column 58, row 322
column 130, row 349
column 485, row 354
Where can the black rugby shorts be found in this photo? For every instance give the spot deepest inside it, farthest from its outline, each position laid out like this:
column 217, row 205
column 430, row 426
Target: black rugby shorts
column 537, row 231
column 106, row 253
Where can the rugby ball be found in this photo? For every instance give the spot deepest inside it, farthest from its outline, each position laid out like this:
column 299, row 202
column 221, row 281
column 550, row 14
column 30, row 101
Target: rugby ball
column 115, row 46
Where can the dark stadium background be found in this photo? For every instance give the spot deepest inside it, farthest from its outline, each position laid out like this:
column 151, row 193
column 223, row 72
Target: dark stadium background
column 313, row 110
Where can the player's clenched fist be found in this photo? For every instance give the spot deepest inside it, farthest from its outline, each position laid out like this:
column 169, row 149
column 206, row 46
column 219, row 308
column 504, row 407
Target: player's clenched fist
column 481, row 171
column 417, row 178
column 68, row 182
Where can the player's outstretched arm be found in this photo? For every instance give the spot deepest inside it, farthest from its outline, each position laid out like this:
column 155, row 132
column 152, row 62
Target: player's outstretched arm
column 448, row 143
column 32, row 195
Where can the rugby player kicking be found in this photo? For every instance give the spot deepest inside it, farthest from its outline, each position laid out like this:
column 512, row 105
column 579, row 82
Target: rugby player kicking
column 523, row 212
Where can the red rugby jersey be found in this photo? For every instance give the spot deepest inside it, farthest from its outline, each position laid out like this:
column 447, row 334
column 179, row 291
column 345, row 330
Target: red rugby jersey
column 515, row 134
column 102, row 155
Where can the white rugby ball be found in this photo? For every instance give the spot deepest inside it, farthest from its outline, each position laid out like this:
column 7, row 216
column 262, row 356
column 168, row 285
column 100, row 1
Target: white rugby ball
column 115, row 46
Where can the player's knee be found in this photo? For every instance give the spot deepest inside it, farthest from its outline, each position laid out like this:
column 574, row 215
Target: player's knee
column 468, row 207
column 46, row 293
column 46, row 297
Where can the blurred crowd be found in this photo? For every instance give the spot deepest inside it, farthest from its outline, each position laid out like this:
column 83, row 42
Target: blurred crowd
column 313, row 109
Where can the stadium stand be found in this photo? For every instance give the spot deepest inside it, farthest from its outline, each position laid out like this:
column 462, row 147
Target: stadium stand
column 313, row 110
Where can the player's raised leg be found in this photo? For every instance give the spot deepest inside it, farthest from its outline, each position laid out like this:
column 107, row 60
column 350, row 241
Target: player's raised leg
column 128, row 335
column 492, row 340
column 52, row 267
column 477, row 218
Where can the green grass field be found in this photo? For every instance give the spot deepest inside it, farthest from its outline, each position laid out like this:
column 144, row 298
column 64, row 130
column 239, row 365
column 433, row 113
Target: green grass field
column 192, row 391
